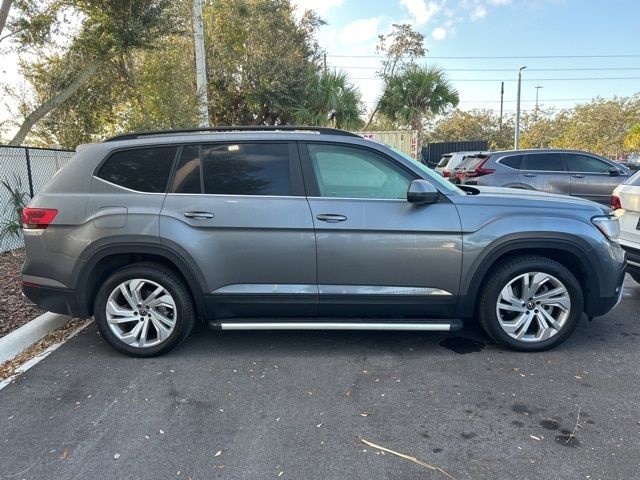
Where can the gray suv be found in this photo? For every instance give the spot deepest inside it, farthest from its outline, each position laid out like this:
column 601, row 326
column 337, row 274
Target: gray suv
column 306, row 228
column 565, row 172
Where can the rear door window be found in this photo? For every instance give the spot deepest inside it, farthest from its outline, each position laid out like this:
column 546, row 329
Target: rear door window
column 246, row 169
column 545, row 162
column 140, row 169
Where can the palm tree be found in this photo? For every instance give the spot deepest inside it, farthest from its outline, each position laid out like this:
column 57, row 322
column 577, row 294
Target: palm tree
column 329, row 100
column 416, row 92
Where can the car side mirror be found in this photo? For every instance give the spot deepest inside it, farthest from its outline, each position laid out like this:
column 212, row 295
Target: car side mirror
column 614, row 172
column 422, row 192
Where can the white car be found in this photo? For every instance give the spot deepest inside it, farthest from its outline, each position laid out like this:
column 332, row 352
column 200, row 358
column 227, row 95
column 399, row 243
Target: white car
column 626, row 203
column 449, row 161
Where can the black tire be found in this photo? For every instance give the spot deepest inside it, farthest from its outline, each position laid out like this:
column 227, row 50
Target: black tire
column 502, row 274
column 173, row 284
column 635, row 276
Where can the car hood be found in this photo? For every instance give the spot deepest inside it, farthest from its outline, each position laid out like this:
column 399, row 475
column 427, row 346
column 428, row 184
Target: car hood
column 533, row 198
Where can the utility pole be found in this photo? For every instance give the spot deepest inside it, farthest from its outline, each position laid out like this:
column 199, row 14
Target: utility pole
column 517, row 139
column 501, row 102
column 201, row 70
column 538, row 87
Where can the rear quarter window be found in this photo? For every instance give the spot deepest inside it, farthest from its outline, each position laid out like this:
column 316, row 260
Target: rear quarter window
column 512, row 161
column 140, row 169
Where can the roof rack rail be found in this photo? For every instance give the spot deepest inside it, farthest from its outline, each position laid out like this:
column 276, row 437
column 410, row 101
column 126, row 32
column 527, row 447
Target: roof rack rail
column 239, row 128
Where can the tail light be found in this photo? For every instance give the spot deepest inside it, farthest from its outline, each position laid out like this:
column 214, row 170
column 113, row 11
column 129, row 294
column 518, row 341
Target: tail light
column 37, row 218
column 446, row 173
column 615, row 202
column 479, row 171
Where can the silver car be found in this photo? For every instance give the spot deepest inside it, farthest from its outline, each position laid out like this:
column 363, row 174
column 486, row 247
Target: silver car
column 565, row 172
column 306, row 228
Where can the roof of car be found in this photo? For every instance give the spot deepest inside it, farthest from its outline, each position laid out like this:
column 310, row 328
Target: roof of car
column 540, row 150
column 254, row 129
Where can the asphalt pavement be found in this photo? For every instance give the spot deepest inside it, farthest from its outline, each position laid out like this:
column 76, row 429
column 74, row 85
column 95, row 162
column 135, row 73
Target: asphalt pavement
column 296, row 405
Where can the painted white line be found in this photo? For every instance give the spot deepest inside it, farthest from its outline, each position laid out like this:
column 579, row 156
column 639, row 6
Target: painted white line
column 25, row 336
column 41, row 356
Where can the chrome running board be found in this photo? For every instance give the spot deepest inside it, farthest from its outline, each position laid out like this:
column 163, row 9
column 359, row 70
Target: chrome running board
column 430, row 326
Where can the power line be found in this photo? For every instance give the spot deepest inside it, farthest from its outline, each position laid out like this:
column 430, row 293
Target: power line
column 607, row 69
column 574, row 79
column 516, row 57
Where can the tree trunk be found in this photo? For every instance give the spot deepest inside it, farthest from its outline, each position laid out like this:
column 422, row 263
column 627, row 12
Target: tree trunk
column 57, row 100
column 4, row 13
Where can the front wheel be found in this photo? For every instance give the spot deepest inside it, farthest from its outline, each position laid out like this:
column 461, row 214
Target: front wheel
column 144, row 310
column 530, row 303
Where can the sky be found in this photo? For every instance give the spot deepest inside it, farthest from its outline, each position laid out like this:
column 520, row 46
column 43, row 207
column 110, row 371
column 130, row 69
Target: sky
column 585, row 48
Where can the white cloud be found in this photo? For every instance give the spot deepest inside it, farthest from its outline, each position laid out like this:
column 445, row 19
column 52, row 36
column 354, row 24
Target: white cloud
column 420, row 11
column 439, row 33
column 499, row 3
column 360, row 30
column 320, row 6
column 479, row 12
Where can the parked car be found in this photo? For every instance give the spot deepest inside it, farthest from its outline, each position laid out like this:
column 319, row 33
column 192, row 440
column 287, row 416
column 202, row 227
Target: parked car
column 450, row 161
column 306, row 228
column 626, row 203
column 566, row 172
column 468, row 164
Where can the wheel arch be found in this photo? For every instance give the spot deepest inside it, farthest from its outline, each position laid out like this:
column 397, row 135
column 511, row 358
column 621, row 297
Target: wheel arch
column 98, row 262
column 568, row 252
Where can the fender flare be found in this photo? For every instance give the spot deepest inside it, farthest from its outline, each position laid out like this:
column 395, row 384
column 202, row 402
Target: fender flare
column 174, row 254
column 515, row 242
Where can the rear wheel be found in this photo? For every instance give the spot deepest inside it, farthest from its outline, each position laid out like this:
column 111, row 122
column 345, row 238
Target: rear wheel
column 144, row 310
column 530, row 303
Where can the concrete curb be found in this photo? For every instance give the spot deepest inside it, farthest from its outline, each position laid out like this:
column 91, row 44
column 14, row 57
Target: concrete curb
column 25, row 336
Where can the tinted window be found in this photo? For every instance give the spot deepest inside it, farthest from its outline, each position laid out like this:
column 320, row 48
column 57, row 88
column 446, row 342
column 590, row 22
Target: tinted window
column 246, row 169
column 142, row 169
column 187, row 176
column 514, row 161
column 585, row 163
column 349, row 172
column 550, row 162
column 470, row 163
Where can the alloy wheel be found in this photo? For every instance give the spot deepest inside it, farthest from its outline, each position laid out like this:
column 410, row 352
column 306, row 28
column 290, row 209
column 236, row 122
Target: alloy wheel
column 141, row 313
column 533, row 307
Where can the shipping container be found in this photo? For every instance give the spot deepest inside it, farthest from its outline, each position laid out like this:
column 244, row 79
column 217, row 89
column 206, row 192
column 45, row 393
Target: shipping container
column 404, row 140
column 431, row 152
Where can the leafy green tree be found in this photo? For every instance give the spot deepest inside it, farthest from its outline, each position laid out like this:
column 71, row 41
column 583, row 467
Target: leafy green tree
column 109, row 28
column 461, row 125
column 401, row 47
column 329, row 100
column 415, row 93
column 632, row 139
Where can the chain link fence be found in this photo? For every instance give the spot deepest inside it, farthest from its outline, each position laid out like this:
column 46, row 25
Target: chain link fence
column 23, row 173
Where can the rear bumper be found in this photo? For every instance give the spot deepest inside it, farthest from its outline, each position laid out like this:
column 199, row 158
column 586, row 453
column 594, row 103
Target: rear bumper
column 633, row 257
column 52, row 299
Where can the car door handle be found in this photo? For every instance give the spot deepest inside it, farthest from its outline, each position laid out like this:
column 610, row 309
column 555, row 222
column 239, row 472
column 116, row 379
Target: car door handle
column 529, row 175
column 577, row 176
column 198, row 215
column 331, row 217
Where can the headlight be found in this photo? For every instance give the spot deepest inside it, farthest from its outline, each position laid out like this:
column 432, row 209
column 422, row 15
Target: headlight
column 608, row 225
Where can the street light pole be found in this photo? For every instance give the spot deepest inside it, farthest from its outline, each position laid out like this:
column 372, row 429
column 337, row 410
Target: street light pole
column 517, row 139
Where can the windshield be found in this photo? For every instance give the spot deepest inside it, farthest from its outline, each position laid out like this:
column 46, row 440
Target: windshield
column 445, row 184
